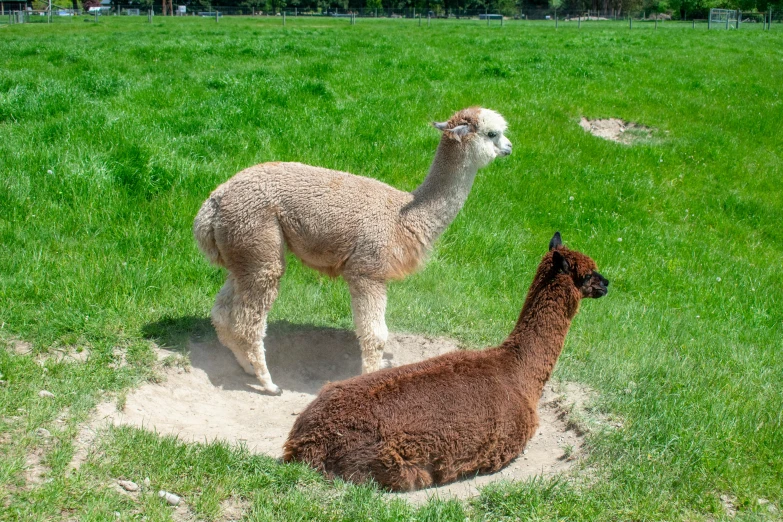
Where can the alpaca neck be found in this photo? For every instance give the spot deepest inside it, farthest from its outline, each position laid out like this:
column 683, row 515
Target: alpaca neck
column 438, row 200
column 540, row 333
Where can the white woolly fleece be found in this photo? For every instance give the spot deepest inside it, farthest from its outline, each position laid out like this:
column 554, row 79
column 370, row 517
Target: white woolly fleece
column 491, row 120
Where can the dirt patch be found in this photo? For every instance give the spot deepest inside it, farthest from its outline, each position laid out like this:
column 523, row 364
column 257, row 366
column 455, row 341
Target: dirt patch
column 34, row 470
column 82, row 444
column 232, row 509
column 614, row 129
column 20, row 347
column 77, row 354
column 215, row 399
column 729, row 503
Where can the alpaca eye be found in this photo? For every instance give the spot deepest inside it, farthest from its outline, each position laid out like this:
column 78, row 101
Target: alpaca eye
column 492, row 134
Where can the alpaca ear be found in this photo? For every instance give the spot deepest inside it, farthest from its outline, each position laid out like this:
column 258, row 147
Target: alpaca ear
column 459, row 132
column 555, row 242
column 559, row 262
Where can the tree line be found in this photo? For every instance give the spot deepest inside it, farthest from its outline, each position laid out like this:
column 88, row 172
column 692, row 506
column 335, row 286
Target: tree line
column 678, row 9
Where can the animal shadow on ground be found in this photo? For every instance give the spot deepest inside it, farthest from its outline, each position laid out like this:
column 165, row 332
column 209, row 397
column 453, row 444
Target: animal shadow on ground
column 300, row 357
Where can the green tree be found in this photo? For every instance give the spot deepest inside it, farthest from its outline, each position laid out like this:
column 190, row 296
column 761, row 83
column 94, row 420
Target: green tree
column 507, row 7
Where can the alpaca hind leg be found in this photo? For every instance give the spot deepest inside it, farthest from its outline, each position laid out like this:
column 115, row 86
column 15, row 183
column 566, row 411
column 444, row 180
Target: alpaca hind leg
column 250, row 310
column 255, row 265
column 398, row 473
column 368, row 303
column 221, row 319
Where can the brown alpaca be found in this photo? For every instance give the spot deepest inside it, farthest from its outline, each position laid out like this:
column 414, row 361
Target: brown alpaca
column 456, row 415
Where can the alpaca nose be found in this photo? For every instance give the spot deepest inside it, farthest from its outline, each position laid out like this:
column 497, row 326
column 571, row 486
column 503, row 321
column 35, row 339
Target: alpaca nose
column 505, row 148
column 603, row 289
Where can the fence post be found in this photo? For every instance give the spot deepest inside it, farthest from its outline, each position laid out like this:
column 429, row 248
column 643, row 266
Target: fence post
column 283, row 18
column 428, row 19
column 555, row 19
column 656, row 22
column 579, row 22
column 217, row 13
column 727, row 21
column 630, row 22
column 739, row 15
column 501, row 20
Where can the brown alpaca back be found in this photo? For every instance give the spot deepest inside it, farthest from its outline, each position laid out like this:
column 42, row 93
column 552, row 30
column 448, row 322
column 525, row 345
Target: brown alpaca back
column 451, row 416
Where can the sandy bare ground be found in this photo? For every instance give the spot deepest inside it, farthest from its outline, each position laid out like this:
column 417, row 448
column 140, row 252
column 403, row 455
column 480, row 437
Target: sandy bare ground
column 216, row 399
column 614, row 129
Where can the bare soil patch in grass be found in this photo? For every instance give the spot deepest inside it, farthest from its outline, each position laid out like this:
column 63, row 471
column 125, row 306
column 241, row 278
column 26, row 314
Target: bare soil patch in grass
column 58, row 354
column 614, row 129
column 233, row 508
column 34, row 469
column 215, row 399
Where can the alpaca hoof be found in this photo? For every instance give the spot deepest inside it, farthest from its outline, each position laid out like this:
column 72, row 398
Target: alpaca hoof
column 273, row 390
column 386, row 363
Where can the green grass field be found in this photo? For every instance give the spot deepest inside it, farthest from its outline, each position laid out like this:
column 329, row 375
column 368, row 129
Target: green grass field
column 113, row 133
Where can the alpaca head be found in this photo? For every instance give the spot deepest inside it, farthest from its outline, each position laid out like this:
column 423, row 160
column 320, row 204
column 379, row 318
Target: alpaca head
column 576, row 267
column 479, row 133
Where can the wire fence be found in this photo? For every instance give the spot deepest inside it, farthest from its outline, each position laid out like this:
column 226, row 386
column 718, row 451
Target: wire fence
column 19, row 13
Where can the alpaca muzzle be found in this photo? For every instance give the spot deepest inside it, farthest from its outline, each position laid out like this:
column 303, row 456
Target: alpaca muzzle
column 599, row 285
column 505, row 148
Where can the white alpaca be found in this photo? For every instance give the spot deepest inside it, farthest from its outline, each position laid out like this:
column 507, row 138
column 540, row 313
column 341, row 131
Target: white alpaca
column 337, row 223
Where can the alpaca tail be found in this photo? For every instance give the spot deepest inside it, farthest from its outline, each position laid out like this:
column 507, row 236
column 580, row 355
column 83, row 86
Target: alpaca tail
column 204, row 229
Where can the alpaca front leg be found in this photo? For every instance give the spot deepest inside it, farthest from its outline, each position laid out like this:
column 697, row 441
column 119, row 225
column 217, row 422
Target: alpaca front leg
column 368, row 303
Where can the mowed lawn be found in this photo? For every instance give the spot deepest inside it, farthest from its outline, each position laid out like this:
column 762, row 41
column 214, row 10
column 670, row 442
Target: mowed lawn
column 113, row 133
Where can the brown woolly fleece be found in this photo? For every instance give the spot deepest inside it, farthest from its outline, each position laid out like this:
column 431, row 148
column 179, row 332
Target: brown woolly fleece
column 459, row 414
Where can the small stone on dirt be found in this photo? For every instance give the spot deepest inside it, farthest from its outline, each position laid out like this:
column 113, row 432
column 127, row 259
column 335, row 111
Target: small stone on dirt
column 45, row 394
column 171, row 498
column 43, row 432
column 128, row 485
